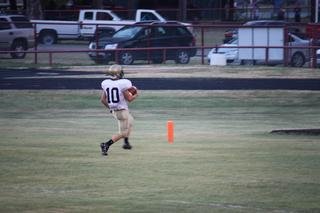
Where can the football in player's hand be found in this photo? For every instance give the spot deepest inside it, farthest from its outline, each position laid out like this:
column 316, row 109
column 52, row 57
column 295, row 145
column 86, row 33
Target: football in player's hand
column 133, row 90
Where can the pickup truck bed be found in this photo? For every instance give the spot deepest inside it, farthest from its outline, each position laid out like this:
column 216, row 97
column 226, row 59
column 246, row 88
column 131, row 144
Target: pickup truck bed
column 48, row 32
column 65, row 29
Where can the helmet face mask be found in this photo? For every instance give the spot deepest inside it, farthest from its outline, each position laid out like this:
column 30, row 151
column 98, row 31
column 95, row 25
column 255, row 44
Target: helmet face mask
column 115, row 71
column 121, row 74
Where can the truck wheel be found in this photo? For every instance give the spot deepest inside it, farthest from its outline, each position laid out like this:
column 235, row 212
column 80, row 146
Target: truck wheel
column 48, row 37
column 18, row 46
column 126, row 58
column 182, row 57
column 298, row 60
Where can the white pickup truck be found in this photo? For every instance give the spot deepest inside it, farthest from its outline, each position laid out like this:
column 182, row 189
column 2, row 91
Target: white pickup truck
column 48, row 32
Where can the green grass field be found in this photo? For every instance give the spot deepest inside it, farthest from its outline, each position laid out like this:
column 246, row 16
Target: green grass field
column 223, row 158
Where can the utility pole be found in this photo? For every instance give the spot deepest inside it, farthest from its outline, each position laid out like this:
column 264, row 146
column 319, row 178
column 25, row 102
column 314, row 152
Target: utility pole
column 97, row 4
column 13, row 5
column 34, row 9
column 182, row 10
column 314, row 11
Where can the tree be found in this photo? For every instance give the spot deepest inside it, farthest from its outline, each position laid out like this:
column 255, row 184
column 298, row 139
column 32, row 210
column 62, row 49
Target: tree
column 97, row 4
column 13, row 5
column 24, row 5
column 34, row 9
column 183, row 10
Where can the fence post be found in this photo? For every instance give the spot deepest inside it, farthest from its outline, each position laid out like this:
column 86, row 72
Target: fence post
column 313, row 57
column 35, row 44
column 96, row 35
column 50, row 58
column 116, row 57
column 286, row 49
column 202, row 45
column 267, row 55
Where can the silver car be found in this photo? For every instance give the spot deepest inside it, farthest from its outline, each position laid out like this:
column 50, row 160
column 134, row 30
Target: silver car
column 16, row 34
column 297, row 55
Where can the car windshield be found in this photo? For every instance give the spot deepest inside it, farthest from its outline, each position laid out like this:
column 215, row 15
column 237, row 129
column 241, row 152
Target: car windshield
column 127, row 32
column 233, row 41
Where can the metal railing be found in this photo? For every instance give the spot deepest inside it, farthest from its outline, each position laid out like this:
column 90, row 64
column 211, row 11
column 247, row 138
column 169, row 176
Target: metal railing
column 201, row 47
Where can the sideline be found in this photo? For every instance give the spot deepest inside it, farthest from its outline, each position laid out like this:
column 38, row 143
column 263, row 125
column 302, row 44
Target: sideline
column 164, row 78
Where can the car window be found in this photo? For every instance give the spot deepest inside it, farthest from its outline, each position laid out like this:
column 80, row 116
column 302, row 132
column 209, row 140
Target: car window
column 103, row 16
column 88, row 15
column 182, row 31
column 144, row 33
column 290, row 38
column 171, row 31
column 127, row 32
column 148, row 17
column 159, row 32
column 4, row 24
column 233, row 41
column 104, row 32
column 21, row 22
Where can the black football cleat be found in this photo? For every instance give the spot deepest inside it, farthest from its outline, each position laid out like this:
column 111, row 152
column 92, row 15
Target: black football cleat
column 104, row 148
column 127, row 146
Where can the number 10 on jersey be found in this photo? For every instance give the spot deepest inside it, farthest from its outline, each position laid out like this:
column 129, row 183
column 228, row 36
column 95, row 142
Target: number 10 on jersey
column 113, row 95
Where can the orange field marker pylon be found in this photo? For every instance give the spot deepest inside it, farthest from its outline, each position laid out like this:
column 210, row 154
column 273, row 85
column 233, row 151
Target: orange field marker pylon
column 170, row 131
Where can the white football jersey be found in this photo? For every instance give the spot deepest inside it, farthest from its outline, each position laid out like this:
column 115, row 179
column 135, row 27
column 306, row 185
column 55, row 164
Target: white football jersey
column 114, row 92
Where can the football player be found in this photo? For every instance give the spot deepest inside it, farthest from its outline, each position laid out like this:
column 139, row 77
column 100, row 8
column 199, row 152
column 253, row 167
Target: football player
column 116, row 93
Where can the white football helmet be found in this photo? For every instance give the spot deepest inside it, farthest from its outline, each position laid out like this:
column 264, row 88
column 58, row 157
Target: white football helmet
column 115, row 71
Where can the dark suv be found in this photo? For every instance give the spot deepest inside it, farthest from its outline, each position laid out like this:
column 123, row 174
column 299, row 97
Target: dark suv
column 16, row 34
column 164, row 40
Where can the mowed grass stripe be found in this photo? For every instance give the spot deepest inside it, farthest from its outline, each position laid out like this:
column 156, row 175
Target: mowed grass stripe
column 223, row 158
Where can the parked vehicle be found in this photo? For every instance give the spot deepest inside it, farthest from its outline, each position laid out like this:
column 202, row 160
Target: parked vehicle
column 49, row 31
column 16, row 34
column 102, row 32
column 298, row 56
column 158, row 35
column 230, row 34
column 229, row 49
